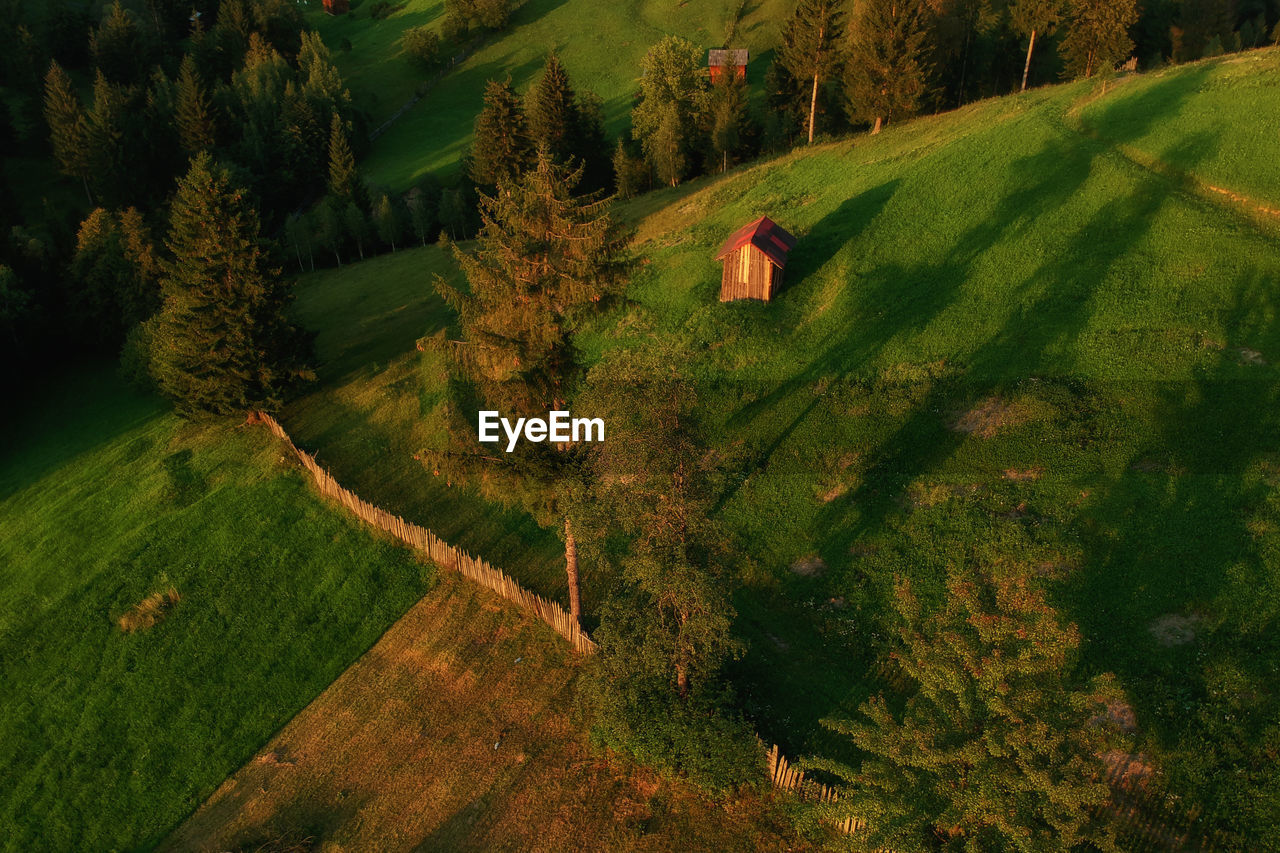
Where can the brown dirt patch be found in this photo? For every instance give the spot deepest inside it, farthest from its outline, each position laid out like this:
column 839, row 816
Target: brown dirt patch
column 1022, row 475
column 809, row 567
column 1175, row 629
column 437, row 739
column 992, row 415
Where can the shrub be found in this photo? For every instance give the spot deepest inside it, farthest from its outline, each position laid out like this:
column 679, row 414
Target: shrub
column 422, row 45
column 149, row 612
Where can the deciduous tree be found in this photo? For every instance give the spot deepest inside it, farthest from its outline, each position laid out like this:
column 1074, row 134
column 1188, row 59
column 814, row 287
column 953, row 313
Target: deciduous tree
column 672, row 108
column 657, row 689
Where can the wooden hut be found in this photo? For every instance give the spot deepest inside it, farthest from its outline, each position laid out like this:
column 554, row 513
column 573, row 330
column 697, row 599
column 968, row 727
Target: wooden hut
column 754, row 257
column 719, row 59
column 337, row 7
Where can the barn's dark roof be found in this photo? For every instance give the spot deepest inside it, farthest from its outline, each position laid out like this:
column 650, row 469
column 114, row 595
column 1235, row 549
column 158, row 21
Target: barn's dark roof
column 733, row 56
column 766, row 235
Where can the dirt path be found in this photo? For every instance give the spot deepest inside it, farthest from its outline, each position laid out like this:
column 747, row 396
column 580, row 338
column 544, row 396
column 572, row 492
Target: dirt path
column 455, row 733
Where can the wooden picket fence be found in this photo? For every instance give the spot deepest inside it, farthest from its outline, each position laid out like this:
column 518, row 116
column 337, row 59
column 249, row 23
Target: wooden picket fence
column 788, row 778
column 436, row 549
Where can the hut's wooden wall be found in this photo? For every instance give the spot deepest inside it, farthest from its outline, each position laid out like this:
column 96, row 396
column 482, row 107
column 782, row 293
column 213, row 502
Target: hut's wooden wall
column 758, row 283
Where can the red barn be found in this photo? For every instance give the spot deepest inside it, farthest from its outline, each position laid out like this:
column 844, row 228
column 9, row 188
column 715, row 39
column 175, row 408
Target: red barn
column 337, row 7
column 718, row 60
column 754, row 257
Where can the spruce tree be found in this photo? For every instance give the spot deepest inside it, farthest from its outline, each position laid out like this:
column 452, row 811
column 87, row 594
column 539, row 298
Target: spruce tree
column 117, row 47
column 552, row 109
column 502, row 149
column 1097, row 35
column 672, row 107
column 109, row 126
column 887, row 73
column 999, row 742
column 1033, row 18
column 223, row 343
column 68, row 127
column 810, row 48
column 194, row 117
column 344, row 180
column 546, row 259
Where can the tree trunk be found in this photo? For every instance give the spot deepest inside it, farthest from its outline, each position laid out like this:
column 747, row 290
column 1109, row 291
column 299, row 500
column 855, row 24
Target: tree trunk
column 1026, row 69
column 85, row 180
column 571, row 569
column 813, row 107
column 879, row 124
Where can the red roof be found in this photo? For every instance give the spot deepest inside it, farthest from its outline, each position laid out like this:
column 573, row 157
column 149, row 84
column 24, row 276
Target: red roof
column 766, row 235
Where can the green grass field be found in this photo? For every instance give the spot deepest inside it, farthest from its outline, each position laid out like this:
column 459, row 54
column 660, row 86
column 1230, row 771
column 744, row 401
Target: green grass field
column 1015, row 332
column 382, row 78
column 601, row 45
column 108, row 739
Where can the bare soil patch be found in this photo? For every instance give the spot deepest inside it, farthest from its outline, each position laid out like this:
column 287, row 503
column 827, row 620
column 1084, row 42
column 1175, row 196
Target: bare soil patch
column 1250, row 356
column 992, row 415
column 809, row 567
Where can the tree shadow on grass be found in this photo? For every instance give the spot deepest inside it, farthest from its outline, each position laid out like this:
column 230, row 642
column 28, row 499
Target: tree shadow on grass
column 1057, row 299
column 1187, row 535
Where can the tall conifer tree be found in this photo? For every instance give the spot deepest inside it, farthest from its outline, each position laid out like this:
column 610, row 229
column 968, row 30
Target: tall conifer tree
column 223, row 343
column 344, row 180
column 546, row 259
column 502, row 149
column 1097, row 34
column 1033, row 19
column 552, row 110
column 811, row 47
column 194, row 113
column 887, row 74
column 68, row 127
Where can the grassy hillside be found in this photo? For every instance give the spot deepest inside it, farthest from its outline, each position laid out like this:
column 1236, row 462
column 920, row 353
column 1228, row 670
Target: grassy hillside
column 382, row 78
column 601, row 45
column 1026, row 331
column 108, row 738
